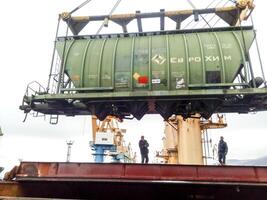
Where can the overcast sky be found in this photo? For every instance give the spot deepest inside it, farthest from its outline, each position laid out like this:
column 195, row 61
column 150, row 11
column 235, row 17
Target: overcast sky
column 27, row 35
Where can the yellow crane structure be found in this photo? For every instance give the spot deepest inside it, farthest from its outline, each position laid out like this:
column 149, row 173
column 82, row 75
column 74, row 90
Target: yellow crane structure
column 184, row 139
column 247, row 7
column 114, row 138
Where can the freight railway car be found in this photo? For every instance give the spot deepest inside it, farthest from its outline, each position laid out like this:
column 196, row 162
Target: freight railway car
column 155, row 62
column 181, row 72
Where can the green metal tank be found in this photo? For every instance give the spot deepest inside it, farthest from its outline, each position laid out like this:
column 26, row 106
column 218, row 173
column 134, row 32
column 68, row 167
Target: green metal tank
column 183, row 72
column 154, row 61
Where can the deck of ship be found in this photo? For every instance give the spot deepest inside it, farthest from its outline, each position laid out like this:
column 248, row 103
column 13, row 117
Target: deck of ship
column 135, row 181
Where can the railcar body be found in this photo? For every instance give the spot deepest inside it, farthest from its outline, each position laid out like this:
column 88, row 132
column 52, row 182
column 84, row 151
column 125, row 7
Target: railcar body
column 128, row 75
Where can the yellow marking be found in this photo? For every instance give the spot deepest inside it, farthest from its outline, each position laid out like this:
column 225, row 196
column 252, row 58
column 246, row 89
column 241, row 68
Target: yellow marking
column 136, row 76
column 75, row 77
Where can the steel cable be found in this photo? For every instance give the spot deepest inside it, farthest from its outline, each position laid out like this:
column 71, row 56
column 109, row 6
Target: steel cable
column 110, row 13
column 53, row 56
column 215, row 16
column 207, row 22
column 194, row 7
column 259, row 55
column 80, row 6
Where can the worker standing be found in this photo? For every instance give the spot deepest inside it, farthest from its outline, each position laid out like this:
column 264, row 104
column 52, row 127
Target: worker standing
column 143, row 145
column 222, row 151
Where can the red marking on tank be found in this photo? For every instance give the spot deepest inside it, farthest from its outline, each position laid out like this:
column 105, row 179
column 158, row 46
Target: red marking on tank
column 143, row 80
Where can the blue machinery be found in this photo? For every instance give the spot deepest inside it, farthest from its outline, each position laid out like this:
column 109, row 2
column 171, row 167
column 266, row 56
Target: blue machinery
column 100, row 152
column 108, row 141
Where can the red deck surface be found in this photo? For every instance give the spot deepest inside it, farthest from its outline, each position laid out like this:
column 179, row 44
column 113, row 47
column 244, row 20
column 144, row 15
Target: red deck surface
column 148, row 172
column 136, row 181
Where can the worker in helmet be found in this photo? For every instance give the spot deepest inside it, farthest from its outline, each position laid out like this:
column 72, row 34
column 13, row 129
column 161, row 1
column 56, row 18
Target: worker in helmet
column 143, row 145
column 222, row 150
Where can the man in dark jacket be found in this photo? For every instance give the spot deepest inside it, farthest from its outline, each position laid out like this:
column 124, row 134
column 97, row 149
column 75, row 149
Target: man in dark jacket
column 143, row 145
column 222, row 151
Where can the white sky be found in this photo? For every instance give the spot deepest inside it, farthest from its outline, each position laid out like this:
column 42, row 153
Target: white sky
column 28, row 31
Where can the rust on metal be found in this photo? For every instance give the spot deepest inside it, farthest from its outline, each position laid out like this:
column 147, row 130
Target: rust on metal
column 36, row 170
column 10, row 189
column 229, row 14
column 135, row 181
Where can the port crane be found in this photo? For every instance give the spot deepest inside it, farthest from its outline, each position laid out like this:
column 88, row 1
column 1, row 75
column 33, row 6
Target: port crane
column 81, row 103
column 186, row 140
column 128, row 181
column 108, row 137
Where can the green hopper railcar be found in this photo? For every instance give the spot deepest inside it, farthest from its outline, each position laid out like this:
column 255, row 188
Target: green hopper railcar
column 170, row 62
column 168, row 72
